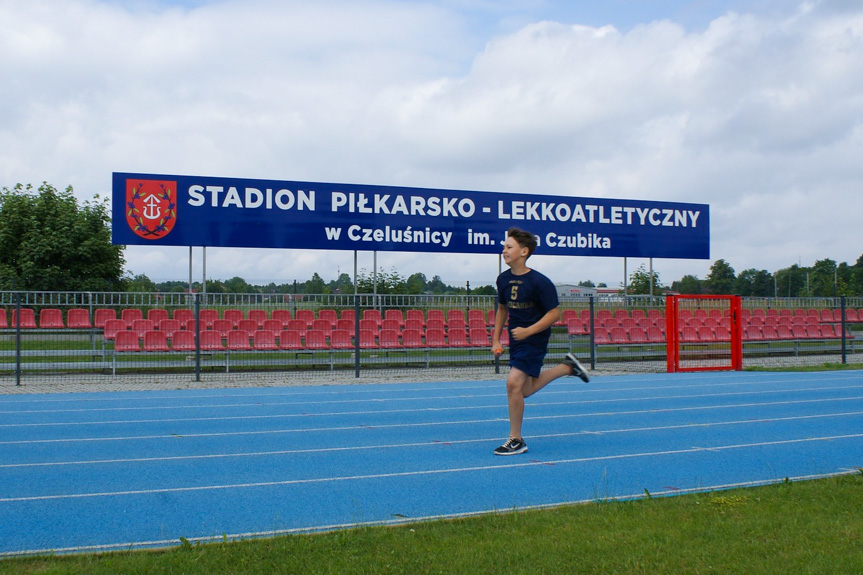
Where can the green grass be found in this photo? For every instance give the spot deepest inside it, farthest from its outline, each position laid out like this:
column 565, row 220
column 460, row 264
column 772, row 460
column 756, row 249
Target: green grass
column 809, row 527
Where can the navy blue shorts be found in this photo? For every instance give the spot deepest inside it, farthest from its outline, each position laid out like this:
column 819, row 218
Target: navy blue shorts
column 528, row 355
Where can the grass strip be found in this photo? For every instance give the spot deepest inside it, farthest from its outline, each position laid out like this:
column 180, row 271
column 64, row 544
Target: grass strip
column 809, row 527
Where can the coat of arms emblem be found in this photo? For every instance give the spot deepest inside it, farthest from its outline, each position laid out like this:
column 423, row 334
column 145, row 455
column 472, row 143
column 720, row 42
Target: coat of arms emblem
column 151, row 207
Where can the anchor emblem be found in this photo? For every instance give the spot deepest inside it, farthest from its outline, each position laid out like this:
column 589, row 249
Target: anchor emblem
column 152, row 207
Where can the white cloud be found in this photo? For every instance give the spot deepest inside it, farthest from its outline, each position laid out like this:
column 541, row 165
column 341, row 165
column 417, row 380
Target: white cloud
column 758, row 115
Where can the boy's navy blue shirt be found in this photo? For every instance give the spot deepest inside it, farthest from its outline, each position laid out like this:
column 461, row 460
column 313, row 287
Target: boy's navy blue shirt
column 528, row 298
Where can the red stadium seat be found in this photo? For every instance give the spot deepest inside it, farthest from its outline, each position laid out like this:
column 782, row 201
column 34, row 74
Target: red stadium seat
column 259, row 316
column 156, row 315
column 232, row 315
column 183, row 341
column 183, row 315
column 264, row 340
column 479, row 337
column 290, row 339
column 368, row 339
column 155, row 340
column 223, row 326
column 347, row 324
column 126, row 340
column 239, row 340
column 341, row 339
column 371, row 316
column 415, row 315
column 112, row 327
column 141, row 326
column 130, row 314
column 330, row 316
column 28, row 318
column 78, row 318
column 389, row 339
column 637, row 334
column 412, row 338
column 396, row 315
column 207, row 317
column 283, row 316
column 307, row 316
column 323, row 325
column 317, row 339
column 169, row 326
column 435, row 337
column 457, row 337
column 51, row 318
column 211, row 340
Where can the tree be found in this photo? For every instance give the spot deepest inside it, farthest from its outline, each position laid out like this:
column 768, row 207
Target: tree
column 822, row 279
column 721, row 278
column 140, row 283
column 238, row 285
column 639, row 282
column 417, row 283
column 315, row 285
column 791, row 282
column 688, row 284
column 49, row 242
column 754, row 283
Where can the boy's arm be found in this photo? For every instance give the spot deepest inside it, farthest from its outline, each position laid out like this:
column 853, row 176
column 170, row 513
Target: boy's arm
column 500, row 316
column 550, row 317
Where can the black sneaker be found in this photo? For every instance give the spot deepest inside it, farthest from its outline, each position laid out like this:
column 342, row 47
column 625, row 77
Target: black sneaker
column 577, row 369
column 512, row 446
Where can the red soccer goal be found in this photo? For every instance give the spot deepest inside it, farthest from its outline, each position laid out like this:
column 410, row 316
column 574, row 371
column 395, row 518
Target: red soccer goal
column 704, row 333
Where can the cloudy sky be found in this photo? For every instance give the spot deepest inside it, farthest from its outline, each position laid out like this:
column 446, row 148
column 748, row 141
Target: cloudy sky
column 753, row 107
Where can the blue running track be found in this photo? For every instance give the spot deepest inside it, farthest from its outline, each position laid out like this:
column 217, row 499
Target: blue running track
column 121, row 470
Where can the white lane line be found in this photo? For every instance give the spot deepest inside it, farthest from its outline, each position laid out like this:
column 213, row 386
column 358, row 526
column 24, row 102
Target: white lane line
column 433, row 443
column 409, row 425
column 577, row 388
column 416, row 410
column 155, row 543
column 429, row 410
column 428, row 472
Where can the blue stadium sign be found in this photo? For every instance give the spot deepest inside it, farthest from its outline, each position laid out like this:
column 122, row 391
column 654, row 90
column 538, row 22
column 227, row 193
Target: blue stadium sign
column 151, row 209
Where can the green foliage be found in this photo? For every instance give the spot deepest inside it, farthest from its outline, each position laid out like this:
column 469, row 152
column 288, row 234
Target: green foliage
column 754, row 283
column 721, row 278
column 49, row 242
column 639, row 282
column 688, row 284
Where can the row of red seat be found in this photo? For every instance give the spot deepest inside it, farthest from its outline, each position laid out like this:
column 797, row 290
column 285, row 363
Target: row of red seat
column 79, row 318
column 708, row 334
column 577, row 326
column 288, row 340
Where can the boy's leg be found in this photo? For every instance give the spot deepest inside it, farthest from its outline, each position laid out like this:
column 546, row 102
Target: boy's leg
column 534, row 384
column 516, row 384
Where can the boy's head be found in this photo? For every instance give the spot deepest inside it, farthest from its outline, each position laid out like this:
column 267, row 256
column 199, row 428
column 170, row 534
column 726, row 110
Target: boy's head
column 524, row 239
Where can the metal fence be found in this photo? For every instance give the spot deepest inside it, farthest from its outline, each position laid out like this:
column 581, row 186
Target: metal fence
column 89, row 336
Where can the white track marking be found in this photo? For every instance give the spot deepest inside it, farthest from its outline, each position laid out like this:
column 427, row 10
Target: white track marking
column 428, row 472
column 424, row 443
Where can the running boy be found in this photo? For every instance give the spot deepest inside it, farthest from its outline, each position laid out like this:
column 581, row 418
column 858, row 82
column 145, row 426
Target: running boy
column 529, row 300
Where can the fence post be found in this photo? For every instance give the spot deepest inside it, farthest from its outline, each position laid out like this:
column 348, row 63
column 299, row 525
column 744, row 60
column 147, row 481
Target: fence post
column 592, row 335
column 357, row 335
column 17, row 337
column 842, row 326
column 197, row 337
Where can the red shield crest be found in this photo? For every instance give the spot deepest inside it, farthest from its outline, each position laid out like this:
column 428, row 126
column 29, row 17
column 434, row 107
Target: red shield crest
column 151, row 207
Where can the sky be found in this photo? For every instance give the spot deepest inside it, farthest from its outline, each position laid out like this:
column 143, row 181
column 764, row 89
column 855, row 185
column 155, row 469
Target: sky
column 754, row 108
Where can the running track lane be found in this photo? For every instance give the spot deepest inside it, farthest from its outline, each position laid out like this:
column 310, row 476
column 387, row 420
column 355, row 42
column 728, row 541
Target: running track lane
column 126, row 470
